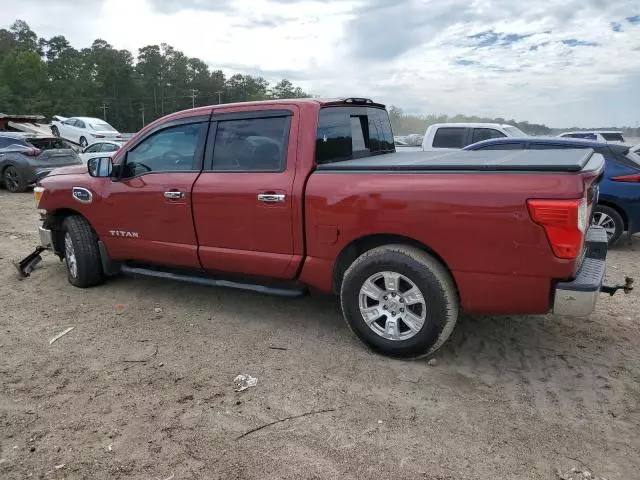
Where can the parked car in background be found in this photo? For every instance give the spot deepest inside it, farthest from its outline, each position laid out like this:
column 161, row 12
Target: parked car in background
column 597, row 135
column 454, row 136
column 83, row 130
column 26, row 158
column 105, row 148
column 618, row 208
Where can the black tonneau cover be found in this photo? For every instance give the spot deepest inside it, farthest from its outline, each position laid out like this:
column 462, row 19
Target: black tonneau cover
column 491, row 160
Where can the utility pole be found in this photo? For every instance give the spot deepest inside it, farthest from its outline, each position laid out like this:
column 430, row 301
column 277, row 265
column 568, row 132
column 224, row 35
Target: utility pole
column 142, row 111
column 104, row 107
column 193, row 95
column 219, row 97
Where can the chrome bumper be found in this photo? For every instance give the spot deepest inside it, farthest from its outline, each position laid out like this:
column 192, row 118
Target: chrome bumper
column 46, row 238
column 578, row 297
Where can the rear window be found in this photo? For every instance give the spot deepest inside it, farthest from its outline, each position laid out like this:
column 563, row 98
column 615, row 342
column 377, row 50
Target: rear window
column 102, row 127
column 612, row 137
column 52, row 143
column 449, row 137
column 345, row 133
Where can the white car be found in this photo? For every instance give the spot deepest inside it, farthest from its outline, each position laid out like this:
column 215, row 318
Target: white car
column 105, row 148
column 602, row 136
column 454, row 136
column 83, row 130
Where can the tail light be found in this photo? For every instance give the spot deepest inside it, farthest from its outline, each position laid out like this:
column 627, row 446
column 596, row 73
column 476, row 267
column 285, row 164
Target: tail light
column 33, row 152
column 565, row 223
column 634, row 178
column 95, row 135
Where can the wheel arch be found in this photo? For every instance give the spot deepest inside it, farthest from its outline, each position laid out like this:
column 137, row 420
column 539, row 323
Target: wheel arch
column 55, row 220
column 363, row 244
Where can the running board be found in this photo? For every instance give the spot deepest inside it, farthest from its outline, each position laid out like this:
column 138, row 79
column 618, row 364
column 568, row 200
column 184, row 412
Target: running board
column 290, row 292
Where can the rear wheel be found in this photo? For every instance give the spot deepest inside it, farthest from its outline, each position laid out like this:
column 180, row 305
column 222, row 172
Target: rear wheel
column 399, row 301
column 610, row 220
column 81, row 253
column 14, row 180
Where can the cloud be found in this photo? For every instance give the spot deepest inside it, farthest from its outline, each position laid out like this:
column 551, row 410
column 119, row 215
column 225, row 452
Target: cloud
column 553, row 62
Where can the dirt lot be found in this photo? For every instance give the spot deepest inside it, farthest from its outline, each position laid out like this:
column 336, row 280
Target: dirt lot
column 146, row 391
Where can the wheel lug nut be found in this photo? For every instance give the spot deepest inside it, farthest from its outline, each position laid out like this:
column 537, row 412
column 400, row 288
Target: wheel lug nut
column 393, row 313
column 385, row 298
column 384, row 307
column 402, row 310
column 401, row 300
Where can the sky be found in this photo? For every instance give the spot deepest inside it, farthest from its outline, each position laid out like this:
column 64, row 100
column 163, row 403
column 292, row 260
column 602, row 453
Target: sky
column 562, row 63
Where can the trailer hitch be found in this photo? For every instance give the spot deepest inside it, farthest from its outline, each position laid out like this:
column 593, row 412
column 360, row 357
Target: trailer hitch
column 28, row 263
column 626, row 288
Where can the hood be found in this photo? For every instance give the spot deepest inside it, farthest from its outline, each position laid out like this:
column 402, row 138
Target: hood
column 71, row 170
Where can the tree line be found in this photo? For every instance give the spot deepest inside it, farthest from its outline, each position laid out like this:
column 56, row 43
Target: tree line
column 50, row 77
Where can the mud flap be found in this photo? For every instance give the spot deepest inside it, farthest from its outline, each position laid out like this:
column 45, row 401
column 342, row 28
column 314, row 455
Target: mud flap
column 27, row 264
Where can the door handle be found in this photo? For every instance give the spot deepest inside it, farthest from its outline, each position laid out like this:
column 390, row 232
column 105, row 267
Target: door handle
column 271, row 197
column 174, row 195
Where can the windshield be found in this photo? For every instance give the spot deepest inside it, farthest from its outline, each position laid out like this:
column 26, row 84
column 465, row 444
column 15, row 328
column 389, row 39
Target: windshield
column 102, row 127
column 612, row 137
column 515, row 132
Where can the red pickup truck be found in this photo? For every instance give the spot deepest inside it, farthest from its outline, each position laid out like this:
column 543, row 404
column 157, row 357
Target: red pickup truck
column 282, row 196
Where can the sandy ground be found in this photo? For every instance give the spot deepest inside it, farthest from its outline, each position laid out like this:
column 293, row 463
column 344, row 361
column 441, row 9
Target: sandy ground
column 146, row 391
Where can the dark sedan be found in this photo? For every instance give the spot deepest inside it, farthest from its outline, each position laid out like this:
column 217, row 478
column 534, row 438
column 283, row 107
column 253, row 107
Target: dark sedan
column 25, row 158
column 618, row 208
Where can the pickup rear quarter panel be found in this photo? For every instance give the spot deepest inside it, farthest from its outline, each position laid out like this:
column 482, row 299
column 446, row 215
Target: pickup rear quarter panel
column 477, row 223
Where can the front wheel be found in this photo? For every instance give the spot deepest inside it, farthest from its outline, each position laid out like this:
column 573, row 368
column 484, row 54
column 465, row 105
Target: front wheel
column 14, row 180
column 610, row 220
column 399, row 301
column 81, row 254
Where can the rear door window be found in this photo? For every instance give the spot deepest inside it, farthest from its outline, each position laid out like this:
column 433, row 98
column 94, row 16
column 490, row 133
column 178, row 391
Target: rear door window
column 480, row 134
column 450, row 137
column 352, row 132
column 252, row 144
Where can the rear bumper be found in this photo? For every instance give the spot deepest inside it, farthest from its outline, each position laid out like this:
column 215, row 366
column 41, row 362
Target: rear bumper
column 578, row 297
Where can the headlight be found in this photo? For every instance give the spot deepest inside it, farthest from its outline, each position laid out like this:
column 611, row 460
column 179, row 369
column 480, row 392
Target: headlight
column 37, row 193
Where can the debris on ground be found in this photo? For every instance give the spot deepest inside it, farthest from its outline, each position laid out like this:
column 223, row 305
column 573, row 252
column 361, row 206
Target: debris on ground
column 60, row 335
column 244, row 381
column 314, row 412
column 157, row 310
column 120, row 308
column 58, row 467
column 577, row 474
column 433, row 362
column 145, row 356
column 274, row 347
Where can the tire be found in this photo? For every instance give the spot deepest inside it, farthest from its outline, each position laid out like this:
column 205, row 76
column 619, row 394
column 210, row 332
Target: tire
column 82, row 257
column 83, row 142
column 14, row 180
column 611, row 220
column 437, row 308
column 55, row 131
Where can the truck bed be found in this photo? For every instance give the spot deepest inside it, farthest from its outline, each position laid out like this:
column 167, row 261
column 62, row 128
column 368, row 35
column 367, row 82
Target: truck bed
column 494, row 160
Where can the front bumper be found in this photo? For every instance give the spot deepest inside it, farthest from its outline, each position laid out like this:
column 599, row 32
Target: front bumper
column 578, row 297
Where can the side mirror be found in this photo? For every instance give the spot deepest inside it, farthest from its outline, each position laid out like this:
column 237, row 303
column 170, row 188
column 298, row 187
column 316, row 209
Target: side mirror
column 100, row 167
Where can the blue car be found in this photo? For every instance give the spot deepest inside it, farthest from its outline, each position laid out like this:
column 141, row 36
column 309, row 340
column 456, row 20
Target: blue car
column 618, row 208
